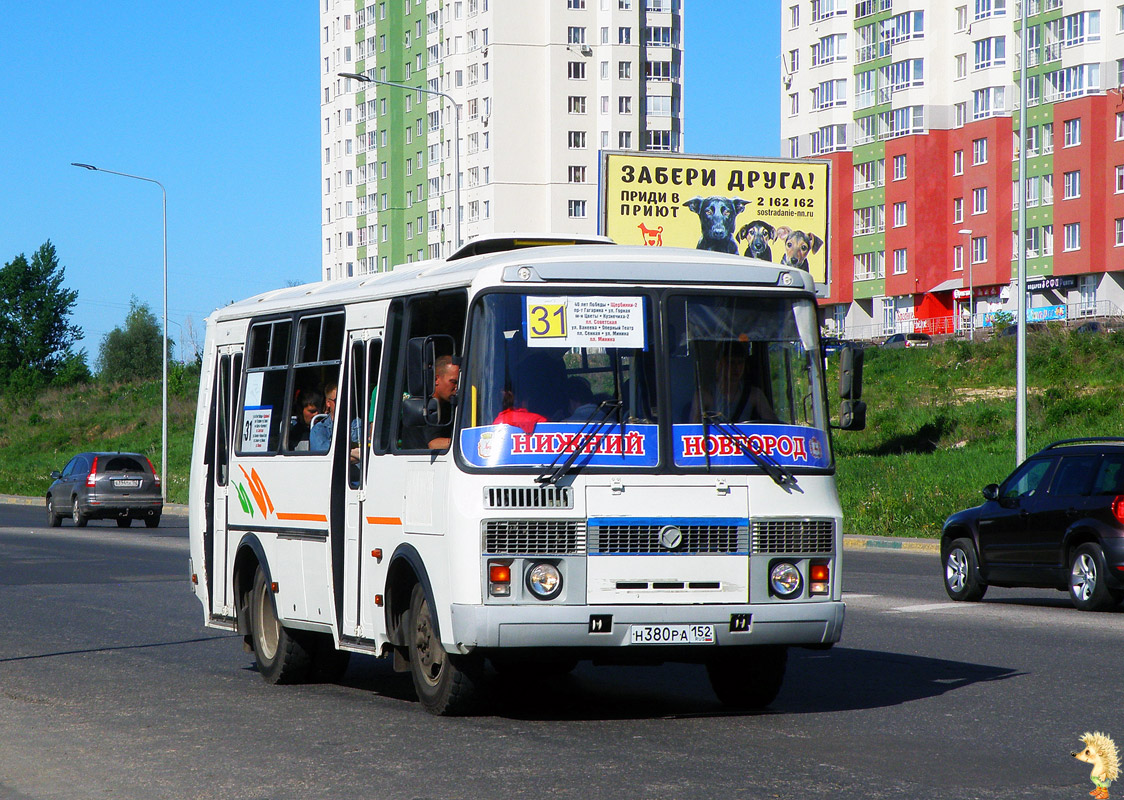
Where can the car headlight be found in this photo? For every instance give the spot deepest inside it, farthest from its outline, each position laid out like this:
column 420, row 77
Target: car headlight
column 785, row 579
column 544, row 581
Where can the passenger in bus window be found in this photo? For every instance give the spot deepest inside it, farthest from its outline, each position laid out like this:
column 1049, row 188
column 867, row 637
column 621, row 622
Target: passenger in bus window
column 519, row 417
column 320, row 437
column 311, row 403
column 580, row 397
column 447, row 376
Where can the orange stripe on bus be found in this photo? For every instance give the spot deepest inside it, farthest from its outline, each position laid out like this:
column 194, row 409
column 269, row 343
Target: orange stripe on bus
column 303, row 517
column 384, row 520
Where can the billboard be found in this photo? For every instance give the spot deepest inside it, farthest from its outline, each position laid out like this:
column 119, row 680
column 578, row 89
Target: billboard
column 774, row 209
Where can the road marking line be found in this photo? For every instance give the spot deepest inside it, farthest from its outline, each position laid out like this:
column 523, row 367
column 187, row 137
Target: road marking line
column 931, row 607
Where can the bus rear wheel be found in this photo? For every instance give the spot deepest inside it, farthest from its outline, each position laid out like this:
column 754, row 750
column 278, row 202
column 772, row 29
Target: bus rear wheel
column 748, row 678
column 446, row 683
column 281, row 656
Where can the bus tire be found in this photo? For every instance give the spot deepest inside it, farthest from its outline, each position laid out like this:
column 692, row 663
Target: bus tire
column 446, row 683
column 748, row 678
column 281, row 656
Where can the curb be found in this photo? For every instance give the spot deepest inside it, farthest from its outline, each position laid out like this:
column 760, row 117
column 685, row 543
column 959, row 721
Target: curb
column 855, row 542
column 174, row 509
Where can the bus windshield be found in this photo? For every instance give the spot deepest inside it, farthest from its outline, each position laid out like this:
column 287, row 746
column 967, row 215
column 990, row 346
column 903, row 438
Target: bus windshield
column 576, row 379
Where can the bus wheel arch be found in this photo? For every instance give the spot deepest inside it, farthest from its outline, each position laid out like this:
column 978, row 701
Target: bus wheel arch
column 248, row 558
column 406, row 570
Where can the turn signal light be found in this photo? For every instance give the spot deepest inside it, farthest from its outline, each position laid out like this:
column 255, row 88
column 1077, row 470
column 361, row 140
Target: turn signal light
column 499, row 578
column 819, row 579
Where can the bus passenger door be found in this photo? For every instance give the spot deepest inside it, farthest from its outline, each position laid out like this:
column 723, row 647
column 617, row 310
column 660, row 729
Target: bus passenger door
column 359, row 584
column 227, row 375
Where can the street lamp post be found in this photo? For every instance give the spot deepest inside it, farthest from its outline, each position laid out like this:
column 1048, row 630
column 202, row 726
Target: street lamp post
column 456, row 141
column 967, row 232
column 164, row 350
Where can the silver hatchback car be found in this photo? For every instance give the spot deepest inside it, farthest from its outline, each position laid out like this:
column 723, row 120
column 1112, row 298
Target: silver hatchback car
column 120, row 486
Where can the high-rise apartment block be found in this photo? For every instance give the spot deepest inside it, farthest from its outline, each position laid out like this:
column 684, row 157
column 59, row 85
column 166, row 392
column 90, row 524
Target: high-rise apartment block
column 916, row 104
column 542, row 86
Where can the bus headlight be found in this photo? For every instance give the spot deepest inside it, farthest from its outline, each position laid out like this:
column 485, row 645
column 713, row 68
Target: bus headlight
column 544, row 581
column 785, row 579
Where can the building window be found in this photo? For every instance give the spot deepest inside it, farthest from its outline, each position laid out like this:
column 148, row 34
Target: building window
column 624, row 140
column 899, row 167
column 577, row 209
column 1120, row 232
column 577, row 174
column 624, row 70
column 990, row 52
column 988, row 102
column 899, row 215
column 794, row 147
column 1071, row 234
column 979, row 200
column 793, row 17
column 576, row 105
column 576, row 140
column 958, row 162
column 899, row 262
column 575, row 70
column 624, row 35
column 1071, row 130
column 979, row 151
column 958, row 258
column 961, row 65
column 979, row 250
column 660, row 140
column 1071, row 185
column 624, row 104
column 575, row 34
column 958, row 209
column 1119, row 178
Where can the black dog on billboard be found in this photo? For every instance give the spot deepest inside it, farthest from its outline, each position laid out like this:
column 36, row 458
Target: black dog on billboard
column 797, row 244
column 716, row 217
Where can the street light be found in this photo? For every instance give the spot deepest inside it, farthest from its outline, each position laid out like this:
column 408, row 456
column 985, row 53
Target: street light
column 164, row 353
column 456, row 142
column 967, row 232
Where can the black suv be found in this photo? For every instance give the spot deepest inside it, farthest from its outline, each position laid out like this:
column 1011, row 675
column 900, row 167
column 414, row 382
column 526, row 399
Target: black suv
column 1056, row 522
column 120, row 486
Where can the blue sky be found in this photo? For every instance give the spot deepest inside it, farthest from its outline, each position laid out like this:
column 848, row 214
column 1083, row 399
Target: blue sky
column 219, row 101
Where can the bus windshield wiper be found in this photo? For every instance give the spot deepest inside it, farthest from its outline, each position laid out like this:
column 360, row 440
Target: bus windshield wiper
column 781, row 476
column 555, row 471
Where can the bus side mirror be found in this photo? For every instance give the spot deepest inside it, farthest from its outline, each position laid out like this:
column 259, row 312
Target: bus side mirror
column 850, row 373
column 852, row 415
column 421, row 408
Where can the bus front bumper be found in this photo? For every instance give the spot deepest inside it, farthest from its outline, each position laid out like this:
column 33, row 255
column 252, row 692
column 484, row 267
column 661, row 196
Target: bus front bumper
column 561, row 626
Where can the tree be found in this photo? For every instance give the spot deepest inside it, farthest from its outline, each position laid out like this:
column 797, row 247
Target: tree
column 132, row 352
column 36, row 334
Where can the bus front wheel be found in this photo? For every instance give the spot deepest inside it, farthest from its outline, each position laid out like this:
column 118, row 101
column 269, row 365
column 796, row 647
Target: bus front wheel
column 282, row 658
column 748, row 678
column 445, row 683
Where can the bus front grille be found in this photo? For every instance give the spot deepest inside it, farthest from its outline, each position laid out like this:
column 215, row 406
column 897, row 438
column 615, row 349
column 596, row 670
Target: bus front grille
column 645, row 539
column 775, row 536
column 534, row 537
column 528, row 497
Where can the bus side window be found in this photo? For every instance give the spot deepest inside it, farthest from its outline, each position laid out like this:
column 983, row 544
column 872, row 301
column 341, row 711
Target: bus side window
column 267, row 375
column 362, row 380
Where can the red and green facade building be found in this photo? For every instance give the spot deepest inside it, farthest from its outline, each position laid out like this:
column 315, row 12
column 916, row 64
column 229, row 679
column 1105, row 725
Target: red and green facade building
column 916, row 106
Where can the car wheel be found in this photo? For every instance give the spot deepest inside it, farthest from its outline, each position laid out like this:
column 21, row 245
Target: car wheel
column 76, row 514
column 53, row 518
column 446, row 683
column 124, row 522
column 152, row 522
column 1087, row 587
column 281, row 656
column 748, row 678
column 962, row 572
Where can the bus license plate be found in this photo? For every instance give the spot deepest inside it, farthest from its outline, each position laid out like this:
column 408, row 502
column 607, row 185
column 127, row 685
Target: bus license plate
column 672, row 634
column 126, row 484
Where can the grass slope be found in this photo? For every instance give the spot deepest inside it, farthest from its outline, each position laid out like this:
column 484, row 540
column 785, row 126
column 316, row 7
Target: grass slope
column 940, row 425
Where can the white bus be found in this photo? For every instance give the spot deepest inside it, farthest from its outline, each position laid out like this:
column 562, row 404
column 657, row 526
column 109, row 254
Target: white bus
column 636, row 468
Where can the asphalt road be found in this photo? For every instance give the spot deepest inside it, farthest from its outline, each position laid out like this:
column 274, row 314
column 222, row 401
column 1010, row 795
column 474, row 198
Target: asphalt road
column 110, row 687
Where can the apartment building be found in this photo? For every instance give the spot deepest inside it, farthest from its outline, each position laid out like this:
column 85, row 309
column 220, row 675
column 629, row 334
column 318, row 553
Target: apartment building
column 541, row 88
column 916, row 104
